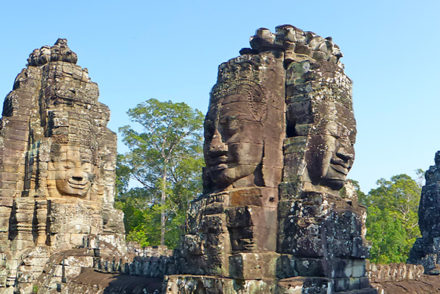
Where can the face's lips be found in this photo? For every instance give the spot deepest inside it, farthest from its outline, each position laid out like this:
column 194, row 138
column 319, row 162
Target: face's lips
column 217, row 160
column 340, row 169
column 219, row 167
column 78, row 185
column 340, row 166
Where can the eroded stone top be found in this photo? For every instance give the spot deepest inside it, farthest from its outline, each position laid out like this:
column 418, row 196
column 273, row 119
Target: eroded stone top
column 60, row 51
column 293, row 40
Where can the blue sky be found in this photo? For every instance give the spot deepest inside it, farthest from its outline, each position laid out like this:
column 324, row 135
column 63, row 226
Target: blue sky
column 137, row 50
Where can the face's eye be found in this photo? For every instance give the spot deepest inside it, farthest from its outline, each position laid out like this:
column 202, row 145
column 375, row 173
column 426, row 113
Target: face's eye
column 68, row 164
column 344, row 132
column 333, row 130
column 352, row 136
column 209, row 129
column 229, row 124
column 87, row 167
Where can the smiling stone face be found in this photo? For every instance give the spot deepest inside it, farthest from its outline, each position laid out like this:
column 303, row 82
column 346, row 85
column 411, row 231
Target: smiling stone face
column 244, row 126
column 330, row 155
column 320, row 125
column 234, row 141
column 70, row 171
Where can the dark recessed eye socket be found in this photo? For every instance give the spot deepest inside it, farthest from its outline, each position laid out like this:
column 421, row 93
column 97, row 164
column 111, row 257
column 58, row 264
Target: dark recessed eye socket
column 209, row 129
column 229, row 124
column 86, row 166
column 352, row 137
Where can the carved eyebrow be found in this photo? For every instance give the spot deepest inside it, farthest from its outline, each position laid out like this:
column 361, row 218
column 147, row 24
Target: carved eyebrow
column 229, row 117
column 67, row 162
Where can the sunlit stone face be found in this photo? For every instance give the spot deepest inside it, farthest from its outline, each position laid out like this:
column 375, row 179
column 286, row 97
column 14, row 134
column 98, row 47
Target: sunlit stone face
column 233, row 142
column 71, row 171
column 331, row 152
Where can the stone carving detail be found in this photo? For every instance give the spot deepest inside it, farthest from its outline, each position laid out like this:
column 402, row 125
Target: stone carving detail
column 243, row 103
column 57, row 168
column 279, row 136
column 236, row 219
column 379, row 273
column 70, row 171
column 426, row 250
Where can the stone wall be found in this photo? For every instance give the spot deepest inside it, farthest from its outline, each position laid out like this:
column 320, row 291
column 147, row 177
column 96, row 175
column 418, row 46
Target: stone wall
column 135, row 249
column 151, row 262
column 385, row 277
column 69, row 271
column 395, row 272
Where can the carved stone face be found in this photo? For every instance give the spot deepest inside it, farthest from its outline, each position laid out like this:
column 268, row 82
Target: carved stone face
column 233, row 142
column 330, row 154
column 71, row 171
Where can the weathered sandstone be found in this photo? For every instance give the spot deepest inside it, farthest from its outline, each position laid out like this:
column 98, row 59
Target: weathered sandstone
column 279, row 136
column 57, row 169
column 426, row 250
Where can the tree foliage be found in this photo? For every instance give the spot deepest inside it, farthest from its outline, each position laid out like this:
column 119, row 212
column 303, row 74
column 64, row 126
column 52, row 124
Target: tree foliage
column 165, row 159
column 392, row 221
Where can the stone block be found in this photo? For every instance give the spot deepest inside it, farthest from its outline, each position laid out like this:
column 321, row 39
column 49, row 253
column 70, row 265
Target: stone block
column 81, row 261
column 212, row 224
column 351, row 284
column 289, row 266
column 58, row 271
column 252, row 228
column 305, row 285
column 253, row 266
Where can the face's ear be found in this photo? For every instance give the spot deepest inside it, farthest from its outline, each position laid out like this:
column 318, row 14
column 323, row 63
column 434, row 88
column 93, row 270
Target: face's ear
column 207, row 181
column 272, row 163
column 314, row 157
column 95, row 170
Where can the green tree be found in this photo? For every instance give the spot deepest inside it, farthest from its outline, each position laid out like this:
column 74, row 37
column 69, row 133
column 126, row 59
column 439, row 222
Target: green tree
column 392, row 222
column 165, row 158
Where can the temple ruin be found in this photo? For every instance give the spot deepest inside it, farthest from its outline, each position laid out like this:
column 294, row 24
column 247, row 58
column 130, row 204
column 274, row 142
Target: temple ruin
column 276, row 214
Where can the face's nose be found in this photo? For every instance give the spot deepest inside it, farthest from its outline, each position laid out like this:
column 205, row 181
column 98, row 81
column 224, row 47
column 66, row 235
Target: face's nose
column 345, row 151
column 217, row 145
column 78, row 179
column 78, row 173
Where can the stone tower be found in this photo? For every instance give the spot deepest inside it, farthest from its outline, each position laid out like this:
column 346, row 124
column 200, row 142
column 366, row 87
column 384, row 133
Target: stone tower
column 426, row 250
column 275, row 216
column 57, row 169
